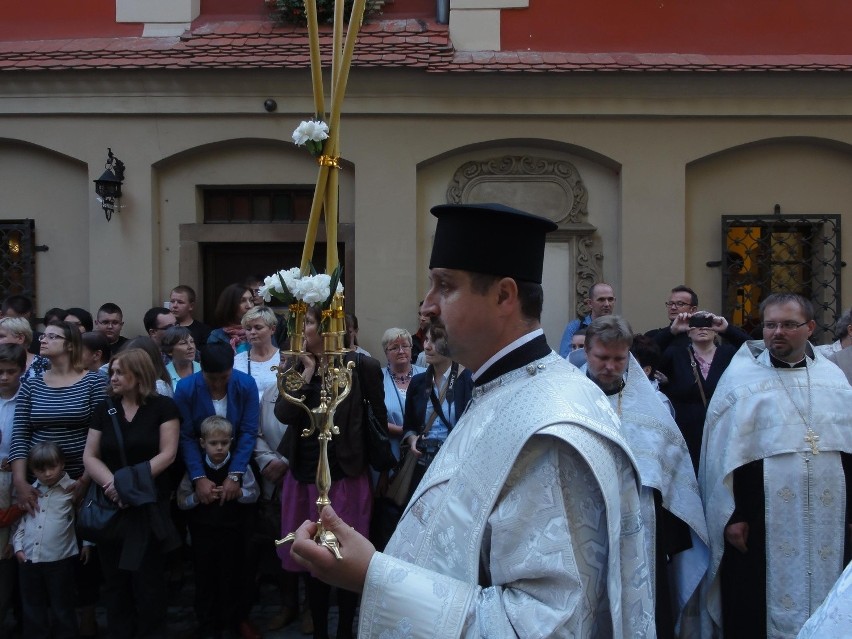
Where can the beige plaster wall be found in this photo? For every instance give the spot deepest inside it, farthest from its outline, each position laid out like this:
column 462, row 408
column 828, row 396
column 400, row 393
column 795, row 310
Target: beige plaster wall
column 600, row 180
column 802, row 176
column 53, row 190
column 404, row 134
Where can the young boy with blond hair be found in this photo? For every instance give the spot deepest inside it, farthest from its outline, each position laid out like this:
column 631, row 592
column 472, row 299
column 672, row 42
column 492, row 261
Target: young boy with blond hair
column 220, row 531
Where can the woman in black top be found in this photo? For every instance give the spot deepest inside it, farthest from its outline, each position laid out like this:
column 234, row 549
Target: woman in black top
column 133, row 563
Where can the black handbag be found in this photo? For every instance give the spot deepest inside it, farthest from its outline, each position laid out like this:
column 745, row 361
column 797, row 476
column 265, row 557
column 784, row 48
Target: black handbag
column 377, row 438
column 97, row 516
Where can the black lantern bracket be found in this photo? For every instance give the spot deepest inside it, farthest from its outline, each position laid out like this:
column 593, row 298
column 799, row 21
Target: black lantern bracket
column 108, row 186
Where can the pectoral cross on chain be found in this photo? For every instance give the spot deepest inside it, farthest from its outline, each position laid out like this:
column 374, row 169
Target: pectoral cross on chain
column 812, row 439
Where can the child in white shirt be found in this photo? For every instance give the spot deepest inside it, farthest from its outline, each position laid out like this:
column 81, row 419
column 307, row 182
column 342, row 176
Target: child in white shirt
column 46, row 547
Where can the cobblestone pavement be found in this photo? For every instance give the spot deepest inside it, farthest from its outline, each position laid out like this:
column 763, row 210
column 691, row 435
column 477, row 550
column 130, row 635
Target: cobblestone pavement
column 181, row 618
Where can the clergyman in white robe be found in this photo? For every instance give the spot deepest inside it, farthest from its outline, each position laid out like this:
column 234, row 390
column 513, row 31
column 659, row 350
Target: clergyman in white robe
column 756, row 422
column 527, row 523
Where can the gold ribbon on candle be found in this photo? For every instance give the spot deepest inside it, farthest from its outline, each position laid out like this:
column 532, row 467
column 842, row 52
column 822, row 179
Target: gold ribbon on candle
column 327, row 160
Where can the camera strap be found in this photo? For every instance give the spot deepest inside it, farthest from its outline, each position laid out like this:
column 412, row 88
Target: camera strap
column 437, row 402
column 697, row 375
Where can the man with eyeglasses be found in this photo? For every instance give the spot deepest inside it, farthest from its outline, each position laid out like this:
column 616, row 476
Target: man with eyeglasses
column 682, row 299
column 681, row 305
column 109, row 321
column 776, row 479
column 156, row 321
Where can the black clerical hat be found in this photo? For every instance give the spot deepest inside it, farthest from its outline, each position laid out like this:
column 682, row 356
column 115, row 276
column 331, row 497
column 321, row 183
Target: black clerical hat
column 490, row 238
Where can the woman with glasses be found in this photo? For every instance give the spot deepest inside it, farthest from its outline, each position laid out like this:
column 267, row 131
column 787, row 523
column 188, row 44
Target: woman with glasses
column 694, row 369
column 58, row 407
column 396, row 343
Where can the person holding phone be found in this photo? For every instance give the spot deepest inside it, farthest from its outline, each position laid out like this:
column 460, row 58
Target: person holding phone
column 694, row 370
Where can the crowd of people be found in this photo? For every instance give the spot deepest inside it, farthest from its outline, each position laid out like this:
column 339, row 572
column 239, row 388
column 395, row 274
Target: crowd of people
column 688, row 482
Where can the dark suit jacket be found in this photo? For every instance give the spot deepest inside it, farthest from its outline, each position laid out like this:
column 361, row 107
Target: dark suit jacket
column 346, row 454
column 193, row 399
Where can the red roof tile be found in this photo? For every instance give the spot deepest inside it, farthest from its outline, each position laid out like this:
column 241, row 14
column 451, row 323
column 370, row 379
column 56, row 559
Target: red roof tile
column 412, row 43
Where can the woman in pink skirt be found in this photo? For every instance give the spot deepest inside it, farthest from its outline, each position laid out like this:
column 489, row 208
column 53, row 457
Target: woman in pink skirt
column 350, row 491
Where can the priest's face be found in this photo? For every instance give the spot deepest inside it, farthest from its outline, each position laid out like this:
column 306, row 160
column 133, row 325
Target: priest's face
column 607, row 362
column 472, row 318
column 790, row 331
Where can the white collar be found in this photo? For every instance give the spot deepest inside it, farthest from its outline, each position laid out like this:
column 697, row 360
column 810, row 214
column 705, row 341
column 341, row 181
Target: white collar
column 217, row 466
column 523, row 339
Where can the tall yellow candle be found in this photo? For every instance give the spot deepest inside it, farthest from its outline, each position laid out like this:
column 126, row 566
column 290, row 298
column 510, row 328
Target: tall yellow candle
column 316, row 60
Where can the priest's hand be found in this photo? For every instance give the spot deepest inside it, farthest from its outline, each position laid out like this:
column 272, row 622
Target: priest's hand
column 348, row 573
column 737, row 535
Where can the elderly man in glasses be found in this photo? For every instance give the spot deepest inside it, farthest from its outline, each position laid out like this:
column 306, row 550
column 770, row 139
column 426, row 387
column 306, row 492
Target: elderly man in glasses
column 775, row 476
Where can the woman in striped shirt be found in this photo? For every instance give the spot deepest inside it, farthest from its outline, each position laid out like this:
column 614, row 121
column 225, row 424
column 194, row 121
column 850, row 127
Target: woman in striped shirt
column 56, row 407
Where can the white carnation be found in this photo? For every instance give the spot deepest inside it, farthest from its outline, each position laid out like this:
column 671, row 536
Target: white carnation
column 313, row 130
column 316, row 289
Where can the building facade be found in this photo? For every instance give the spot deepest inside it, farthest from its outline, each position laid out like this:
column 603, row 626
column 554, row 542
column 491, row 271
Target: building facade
column 710, row 146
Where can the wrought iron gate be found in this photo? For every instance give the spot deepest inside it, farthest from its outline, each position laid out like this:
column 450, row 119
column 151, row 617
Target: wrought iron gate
column 767, row 254
column 17, row 258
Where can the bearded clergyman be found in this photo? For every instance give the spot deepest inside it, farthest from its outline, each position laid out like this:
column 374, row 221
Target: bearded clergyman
column 675, row 532
column 775, row 475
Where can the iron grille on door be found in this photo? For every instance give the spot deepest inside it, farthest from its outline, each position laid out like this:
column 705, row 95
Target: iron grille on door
column 17, row 258
column 767, row 254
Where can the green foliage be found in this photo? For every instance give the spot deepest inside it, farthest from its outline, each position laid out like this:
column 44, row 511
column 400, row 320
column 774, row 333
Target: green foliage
column 293, row 11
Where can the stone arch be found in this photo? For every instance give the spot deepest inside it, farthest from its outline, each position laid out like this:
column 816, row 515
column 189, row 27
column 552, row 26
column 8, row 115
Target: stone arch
column 576, row 188
column 179, row 180
column 801, row 174
column 54, row 190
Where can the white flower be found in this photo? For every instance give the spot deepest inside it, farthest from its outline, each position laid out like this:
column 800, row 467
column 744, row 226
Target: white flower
column 316, row 289
column 313, row 130
column 270, row 285
column 339, row 289
column 290, row 280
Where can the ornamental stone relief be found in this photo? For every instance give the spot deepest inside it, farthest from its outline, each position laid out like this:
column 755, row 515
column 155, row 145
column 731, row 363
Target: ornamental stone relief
column 548, row 187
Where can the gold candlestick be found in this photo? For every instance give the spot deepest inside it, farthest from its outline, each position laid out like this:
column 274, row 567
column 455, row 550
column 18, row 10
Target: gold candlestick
column 336, row 382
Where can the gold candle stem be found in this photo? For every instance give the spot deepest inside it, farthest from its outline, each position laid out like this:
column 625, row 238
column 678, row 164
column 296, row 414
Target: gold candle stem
column 336, row 382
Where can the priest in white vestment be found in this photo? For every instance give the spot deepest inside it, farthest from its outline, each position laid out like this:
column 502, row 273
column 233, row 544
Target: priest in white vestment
column 675, row 532
column 775, row 471
column 528, row 521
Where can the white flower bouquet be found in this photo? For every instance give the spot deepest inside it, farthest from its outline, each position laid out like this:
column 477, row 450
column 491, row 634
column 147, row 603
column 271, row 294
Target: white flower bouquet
column 311, row 134
column 292, row 288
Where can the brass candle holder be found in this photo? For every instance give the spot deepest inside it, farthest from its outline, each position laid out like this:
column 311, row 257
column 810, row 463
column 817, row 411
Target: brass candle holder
column 336, row 375
column 335, row 384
